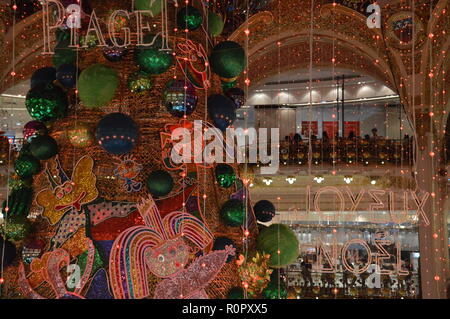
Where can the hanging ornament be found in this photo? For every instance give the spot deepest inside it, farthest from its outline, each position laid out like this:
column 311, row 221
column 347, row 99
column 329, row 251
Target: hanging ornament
column 139, row 82
column 127, row 170
column 27, row 166
column 8, row 252
column 117, row 133
column 264, row 211
column 97, row 85
column 159, row 183
column 154, row 7
column 281, row 243
column 17, row 229
column 43, row 76
column 215, row 24
column 114, row 53
column 151, row 59
column 80, row 135
column 228, row 59
column 233, row 212
column 19, row 202
column 180, row 98
column 46, row 102
column 189, row 18
column 43, row 147
column 33, row 129
column 67, row 75
column 225, row 175
column 237, row 95
column 221, row 242
column 222, row 110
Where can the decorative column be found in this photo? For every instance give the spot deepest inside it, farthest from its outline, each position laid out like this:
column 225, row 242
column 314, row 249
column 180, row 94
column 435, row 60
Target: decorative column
column 433, row 240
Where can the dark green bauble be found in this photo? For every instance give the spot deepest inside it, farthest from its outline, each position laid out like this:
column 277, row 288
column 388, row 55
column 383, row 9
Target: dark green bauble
column 159, row 183
column 228, row 59
column 19, row 203
column 150, row 59
column 46, row 102
column 146, row 5
column 232, row 212
column 189, row 18
column 97, row 85
column 64, row 56
column 280, row 242
column 8, row 252
column 17, row 229
column 236, row 293
column 215, row 24
column 139, row 82
column 225, row 175
column 27, row 166
column 43, row 147
column 275, row 291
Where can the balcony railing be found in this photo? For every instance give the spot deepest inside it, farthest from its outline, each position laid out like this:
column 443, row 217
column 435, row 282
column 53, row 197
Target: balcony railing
column 378, row 151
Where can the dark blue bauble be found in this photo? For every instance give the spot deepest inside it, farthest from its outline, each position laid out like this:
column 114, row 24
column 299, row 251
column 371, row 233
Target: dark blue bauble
column 237, row 95
column 264, row 211
column 222, row 111
column 114, row 53
column 221, row 242
column 67, row 75
column 178, row 100
column 43, row 76
column 117, row 133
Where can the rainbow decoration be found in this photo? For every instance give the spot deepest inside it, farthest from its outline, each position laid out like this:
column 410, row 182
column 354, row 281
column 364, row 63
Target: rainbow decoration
column 158, row 247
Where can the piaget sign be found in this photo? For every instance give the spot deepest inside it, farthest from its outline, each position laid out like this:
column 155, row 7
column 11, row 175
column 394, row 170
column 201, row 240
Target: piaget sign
column 55, row 15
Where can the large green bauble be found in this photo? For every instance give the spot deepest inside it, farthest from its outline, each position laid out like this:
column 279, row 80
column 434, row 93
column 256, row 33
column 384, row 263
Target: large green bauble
column 280, row 242
column 159, row 183
column 97, row 85
column 215, row 24
column 43, row 147
column 146, row 5
column 19, row 203
column 189, row 18
column 46, row 102
column 228, row 59
column 17, row 229
column 151, row 60
column 236, row 293
column 27, row 166
column 225, row 175
column 233, row 212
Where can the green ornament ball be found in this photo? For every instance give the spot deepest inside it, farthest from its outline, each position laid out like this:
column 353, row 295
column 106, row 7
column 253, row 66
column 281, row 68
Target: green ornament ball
column 280, row 242
column 215, row 24
column 139, row 82
column 275, row 291
column 232, row 212
column 189, row 18
column 236, row 293
column 228, row 59
column 64, row 56
column 43, row 147
column 146, row 5
column 228, row 85
column 27, row 166
column 225, row 175
column 17, row 229
column 151, row 59
column 97, row 85
column 159, row 183
column 46, row 102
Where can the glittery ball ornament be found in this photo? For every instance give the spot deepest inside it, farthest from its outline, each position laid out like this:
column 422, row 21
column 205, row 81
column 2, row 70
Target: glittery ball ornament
column 139, row 82
column 117, row 133
column 46, row 102
column 180, row 98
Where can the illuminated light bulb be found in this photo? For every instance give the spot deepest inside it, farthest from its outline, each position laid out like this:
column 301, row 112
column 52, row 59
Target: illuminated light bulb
column 247, row 81
column 204, row 196
column 247, row 32
column 433, row 194
column 435, row 236
column 334, row 230
column 319, row 179
column 278, row 252
column 432, row 154
column 430, row 35
column 348, row 179
column 436, row 278
column 431, row 114
column 245, row 285
column 246, row 233
column 373, row 182
column 2, row 280
column 291, row 180
column 13, row 73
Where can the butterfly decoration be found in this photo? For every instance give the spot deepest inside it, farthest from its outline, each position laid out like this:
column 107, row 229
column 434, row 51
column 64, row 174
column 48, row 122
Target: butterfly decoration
column 127, row 170
column 68, row 194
